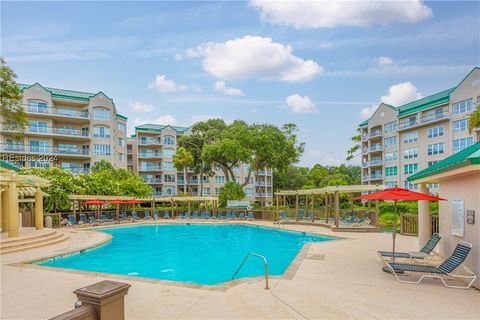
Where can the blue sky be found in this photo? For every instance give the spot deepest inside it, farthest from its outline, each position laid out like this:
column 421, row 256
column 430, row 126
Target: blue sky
column 323, row 66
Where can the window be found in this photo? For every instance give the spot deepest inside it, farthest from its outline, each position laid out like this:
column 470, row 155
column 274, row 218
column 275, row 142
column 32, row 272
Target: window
column 37, row 106
column 249, row 180
column 460, row 144
column 410, row 168
column 122, row 142
column 435, row 132
column 102, row 114
column 410, row 153
column 391, row 156
column 170, row 190
column 101, row 149
column 169, row 140
column 219, row 179
column 170, row 178
column 432, row 185
column 409, row 185
column 391, row 171
column 168, row 165
column 460, row 125
column 206, row 179
column 122, row 127
column 391, row 141
column 431, row 163
column 389, row 127
column 463, row 106
column 39, row 146
column 217, row 191
column 68, row 148
column 38, row 126
column 391, row 184
column 101, row 132
column 249, row 191
column 122, row 157
column 436, row 148
column 39, row 164
column 410, row 137
column 206, row 191
column 236, row 169
column 168, row 153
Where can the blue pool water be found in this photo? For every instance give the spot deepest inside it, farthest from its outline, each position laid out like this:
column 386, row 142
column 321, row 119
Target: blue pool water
column 201, row 254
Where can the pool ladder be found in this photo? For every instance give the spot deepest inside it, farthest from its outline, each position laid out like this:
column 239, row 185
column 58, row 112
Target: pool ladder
column 258, row 256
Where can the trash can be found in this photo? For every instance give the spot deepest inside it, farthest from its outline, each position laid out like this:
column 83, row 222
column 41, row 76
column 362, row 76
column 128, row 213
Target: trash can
column 48, row 222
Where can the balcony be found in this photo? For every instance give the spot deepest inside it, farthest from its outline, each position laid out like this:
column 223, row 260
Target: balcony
column 54, row 132
column 149, row 142
column 264, row 172
column 375, row 134
column 263, row 194
column 375, row 162
column 77, row 170
column 263, row 183
column 376, row 176
column 373, row 148
column 437, row 117
column 152, row 180
column 58, row 112
column 150, row 168
column 155, row 155
column 44, row 150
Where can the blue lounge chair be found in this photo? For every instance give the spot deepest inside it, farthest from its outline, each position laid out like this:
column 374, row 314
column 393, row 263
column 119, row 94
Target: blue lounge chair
column 208, row 215
column 123, row 216
column 250, row 215
column 166, row 214
column 83, row 218
column 233, row 215
column 91, row 217
column 195, row 215
column 155, row 214
column 103, row 218
column 300, row 214
column 188, row 215
column 146, row 215
column 203, row 215
column 220, row 216
column 135, row 215
column 421, row 255
column 283, row 215
column 108, row 215
column 444, row 271
column 241, row 216
column 72, row 219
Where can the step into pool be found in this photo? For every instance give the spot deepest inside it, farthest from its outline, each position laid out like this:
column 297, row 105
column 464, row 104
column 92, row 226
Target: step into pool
column 206, row 254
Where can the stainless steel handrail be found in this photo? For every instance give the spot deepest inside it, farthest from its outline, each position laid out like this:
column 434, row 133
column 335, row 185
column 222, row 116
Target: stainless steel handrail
column 258, row 256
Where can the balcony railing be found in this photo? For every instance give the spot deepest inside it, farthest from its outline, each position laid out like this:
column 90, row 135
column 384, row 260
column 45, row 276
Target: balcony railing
column 376, row 176
column 152, row 180
column 374, row 134
column 263, row 183
column 150, row 168
column 78, row 170
column 10, row 148
column 81, row 114
column 58, row 131
column 375, row 162
column 264, row 172
column 263, row 194
column 149, row 154
column 423, row 120
column 149, row 142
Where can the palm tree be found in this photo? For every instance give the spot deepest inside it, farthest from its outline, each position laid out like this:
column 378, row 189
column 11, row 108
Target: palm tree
column 182, row 160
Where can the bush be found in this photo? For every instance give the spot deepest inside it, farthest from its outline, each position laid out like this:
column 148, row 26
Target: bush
column 230, row 191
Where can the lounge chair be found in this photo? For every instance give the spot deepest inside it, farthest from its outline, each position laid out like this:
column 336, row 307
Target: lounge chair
column 233, row 215
column 250, row 215
column 208, row 215
column 135, row 215
column 83, row 218
column 300, row 214
column 195, row 215
column 241, row 216
column 103, row 218
column 220, row 216
column 108, row 215
column 203, row 215
column 443, row 271
column 188, row 215
column 166, row 214
column 420, row 255
column 91, row 217
column 309, row 216
column 72, row 219
column 155, row 214
column 283, row 216
column 123, row 216
column 147, row 215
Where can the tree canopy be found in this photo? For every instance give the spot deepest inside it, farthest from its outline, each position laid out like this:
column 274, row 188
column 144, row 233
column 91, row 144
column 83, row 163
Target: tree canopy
column 230, row 191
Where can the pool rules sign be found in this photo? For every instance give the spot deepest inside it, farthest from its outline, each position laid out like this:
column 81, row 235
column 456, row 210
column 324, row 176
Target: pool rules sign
column 458, row 217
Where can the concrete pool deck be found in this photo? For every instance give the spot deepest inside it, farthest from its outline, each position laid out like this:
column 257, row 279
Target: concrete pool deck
column 347, row 283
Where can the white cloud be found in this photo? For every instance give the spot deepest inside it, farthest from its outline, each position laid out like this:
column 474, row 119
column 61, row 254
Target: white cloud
column 366, row 113
column 166, row 119
column 162, row 84
column 326, row 45
column 300, row 104
column 221, row 86
column 139, row 106
column 328, row 14
column 254, row 57
column 384, row 61
column 401, row 93
column 178, row 56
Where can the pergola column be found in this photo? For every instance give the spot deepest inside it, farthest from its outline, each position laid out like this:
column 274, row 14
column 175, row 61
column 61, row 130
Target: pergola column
column 5, row 209
column 313, row 207
column 296, row 207
column 39, row 209
column 13, row 219
column 337, row 209
column 327, row 204
column 423, row 218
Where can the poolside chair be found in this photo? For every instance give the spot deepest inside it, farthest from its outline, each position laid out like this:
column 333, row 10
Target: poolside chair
column 91, row 217
column 83, row 218
column 423, row 254
column 146, row 215
column 250, row 215
column 203, row 215
column 241, row 216
column 208, row 215
column 108, row 215
column 188, row 215
column 135, row 215
column 300, row 214
column 166, row 214
column 155, row 214
column 72, row 219
column 283, row 215
column 443, row 271
column 309, row 216
column 195, row 215
column 123, row 216
column 103, row 218
column 221, row 216
column 233, row 215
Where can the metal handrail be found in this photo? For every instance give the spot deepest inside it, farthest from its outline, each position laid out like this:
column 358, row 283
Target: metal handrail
column 258, row 256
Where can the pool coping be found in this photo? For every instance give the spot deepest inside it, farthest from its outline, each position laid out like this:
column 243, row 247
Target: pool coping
column 289, row 273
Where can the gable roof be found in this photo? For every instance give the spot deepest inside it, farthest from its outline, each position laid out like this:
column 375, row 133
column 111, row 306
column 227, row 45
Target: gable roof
column 467, row 156
column 159, row 127
column 64, row 93
column 364, row 123
column 425, row 103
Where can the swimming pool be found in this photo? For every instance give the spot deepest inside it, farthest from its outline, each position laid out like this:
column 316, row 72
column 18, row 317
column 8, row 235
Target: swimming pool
column 205, row 254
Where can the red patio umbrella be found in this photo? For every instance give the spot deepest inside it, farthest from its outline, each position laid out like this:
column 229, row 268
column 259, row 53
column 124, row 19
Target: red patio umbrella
column 398, row 194
column 95, row 202
column 118, row 203
column 134, row 201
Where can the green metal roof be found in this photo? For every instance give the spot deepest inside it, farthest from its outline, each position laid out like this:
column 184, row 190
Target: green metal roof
column 121, row 117
column 159, row 127
column 64, row 93
column 425, row 103
column 9, row 166
column 364, row 123
column 467, row 156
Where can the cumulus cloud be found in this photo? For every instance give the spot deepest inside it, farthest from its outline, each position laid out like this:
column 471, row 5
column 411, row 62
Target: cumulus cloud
column 254, row 57
column 367, row 112
column 221, row 86
column 165, row 119
column 328, row 14
column 299, row 104
column 384, row 61
column 162, row 84
column 139, row 106
column 401, row 93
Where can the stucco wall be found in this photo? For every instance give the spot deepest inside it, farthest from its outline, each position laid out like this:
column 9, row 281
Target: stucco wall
column 466, row 187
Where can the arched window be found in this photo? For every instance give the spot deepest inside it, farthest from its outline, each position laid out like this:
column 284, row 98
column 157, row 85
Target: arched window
column 101, row 132
column 168, row 153
column 100, row 113
column 169, row 140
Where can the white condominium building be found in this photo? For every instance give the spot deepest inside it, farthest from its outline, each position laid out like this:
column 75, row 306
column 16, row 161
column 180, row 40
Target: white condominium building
column 69, row 129
column 398, row 141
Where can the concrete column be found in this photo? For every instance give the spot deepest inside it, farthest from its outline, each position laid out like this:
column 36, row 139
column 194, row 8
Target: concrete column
column 296, row 207
column 39, row 209
column 1, row 209
column 4, row 206
column 337, row 209
column 13, row 218
column 423, row 218
column 327, row 204
column 313, row 207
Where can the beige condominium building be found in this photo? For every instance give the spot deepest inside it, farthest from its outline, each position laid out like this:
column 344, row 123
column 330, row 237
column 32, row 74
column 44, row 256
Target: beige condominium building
column 150, row 154
column 69, row 129
column 398, row 141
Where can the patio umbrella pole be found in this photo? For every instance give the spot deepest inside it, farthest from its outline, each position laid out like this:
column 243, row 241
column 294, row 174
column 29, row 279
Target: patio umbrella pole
column 394, row 235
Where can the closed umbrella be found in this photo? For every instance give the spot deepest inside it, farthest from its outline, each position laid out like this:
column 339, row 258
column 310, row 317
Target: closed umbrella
column 398, row 194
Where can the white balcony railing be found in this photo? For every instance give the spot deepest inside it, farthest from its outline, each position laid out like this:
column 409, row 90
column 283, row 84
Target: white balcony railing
column 62, row 112
column 11, row 148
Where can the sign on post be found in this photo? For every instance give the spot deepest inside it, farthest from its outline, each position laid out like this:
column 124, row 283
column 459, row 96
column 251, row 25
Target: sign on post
column 458, row 217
